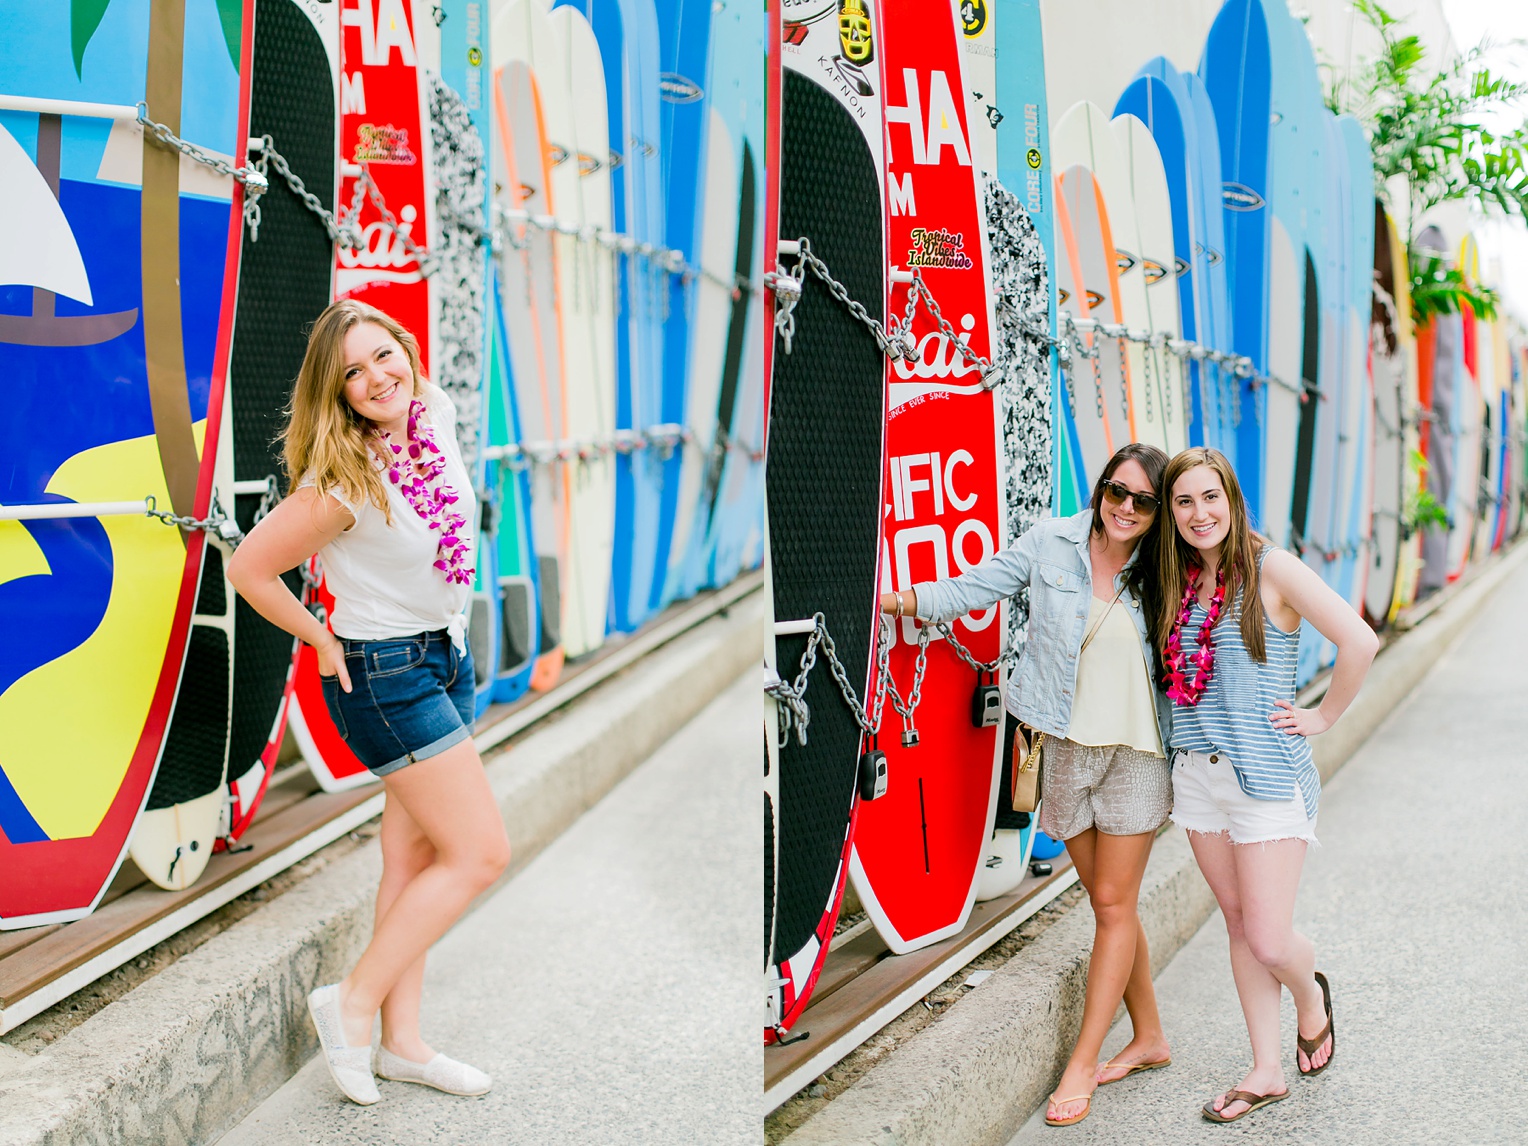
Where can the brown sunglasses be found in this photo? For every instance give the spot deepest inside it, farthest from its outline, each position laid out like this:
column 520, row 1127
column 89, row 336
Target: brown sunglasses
column 1117, row 493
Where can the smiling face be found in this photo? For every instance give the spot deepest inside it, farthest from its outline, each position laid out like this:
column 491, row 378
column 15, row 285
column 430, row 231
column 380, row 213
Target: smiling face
column 1124, row 521
column 1201, row 509
column 379, row 381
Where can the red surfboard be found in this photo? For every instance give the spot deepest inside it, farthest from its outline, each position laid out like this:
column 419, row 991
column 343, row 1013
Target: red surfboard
column 384, row 131
column 919, row 847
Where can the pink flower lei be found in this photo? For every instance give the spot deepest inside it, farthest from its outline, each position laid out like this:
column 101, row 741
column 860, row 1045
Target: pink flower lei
column 420, row 482
column 1181, row 691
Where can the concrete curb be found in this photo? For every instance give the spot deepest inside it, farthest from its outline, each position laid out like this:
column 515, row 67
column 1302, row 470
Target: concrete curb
column 181, row 1059
column 975, row 1076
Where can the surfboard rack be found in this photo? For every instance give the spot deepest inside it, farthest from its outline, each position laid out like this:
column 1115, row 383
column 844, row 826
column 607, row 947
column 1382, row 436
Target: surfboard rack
column 793, row 628
column 68, row 107
column 46, row 510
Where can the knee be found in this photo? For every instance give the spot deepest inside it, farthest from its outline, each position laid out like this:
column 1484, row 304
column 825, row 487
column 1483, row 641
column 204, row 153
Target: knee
column 491, row 860
column 1269, row 946
column 1113, row 909
column 1236, row 928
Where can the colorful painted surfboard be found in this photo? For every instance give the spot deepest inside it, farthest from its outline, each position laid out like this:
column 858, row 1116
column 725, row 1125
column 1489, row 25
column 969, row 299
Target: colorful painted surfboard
column 918, row 849
column 117, row 350
column 827, row 415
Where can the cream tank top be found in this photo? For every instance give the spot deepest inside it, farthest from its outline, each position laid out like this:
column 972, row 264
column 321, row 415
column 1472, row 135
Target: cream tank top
column 1114, row 703
column 383, row 576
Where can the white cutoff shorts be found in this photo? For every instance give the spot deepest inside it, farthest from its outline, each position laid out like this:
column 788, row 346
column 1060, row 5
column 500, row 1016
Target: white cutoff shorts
column 1207, row 797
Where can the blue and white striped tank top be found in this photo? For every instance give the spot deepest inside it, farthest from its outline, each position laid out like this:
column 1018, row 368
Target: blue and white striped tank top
column 1232, row 715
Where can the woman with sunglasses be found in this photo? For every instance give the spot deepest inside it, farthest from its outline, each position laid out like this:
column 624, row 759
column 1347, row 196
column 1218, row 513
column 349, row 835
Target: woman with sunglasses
column 1245, row 788
column 1084, row 679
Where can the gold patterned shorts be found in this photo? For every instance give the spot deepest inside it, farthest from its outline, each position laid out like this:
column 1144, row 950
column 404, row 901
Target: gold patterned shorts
column 1121, row 791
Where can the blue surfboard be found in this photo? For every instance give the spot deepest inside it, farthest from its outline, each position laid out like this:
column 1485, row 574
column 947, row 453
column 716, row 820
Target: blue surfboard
column 1236, row 71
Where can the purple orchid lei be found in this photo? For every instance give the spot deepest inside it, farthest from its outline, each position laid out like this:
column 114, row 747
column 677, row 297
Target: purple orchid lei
column 419, row 480
column 1181, row 691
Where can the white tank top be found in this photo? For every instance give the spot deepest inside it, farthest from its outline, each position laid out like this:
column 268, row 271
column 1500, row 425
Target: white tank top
column 383, row 576
column 1114, row 702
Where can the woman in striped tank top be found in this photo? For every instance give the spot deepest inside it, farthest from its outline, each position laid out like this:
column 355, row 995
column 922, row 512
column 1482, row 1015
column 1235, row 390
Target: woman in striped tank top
column 1245, row 788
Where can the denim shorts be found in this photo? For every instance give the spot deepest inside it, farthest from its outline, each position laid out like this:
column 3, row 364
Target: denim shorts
column 410, row 698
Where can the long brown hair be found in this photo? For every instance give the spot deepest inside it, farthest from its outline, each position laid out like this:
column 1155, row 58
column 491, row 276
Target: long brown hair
column 324, row 438
column 1141, row 578
column 1238, row 554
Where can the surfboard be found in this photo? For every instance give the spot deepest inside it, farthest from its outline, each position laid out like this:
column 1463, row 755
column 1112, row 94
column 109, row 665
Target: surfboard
column 116, row 397
column 1223, row 386
column 457, row 74
column 532, row 319
column 1236, row 69
column 515, row 556
column 285, row 278
column 827, row 416
column 1463, row 503
column 1086, row 420
column 639, row 472
column 1159, row 98
column 684, row 39
column 1019, row 280
column 1025, row 167
column 571, row 76
column 384, row 131
column 1084, row 148
column 185, row 811
column 1398, row 284
column 919, row 849
column 1357, row 474
column 1161, row 416
column 1388, row 369
column 732, row 493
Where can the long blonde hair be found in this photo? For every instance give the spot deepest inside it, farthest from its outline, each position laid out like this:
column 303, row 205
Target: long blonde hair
column 324, row 438
column 1238, row 554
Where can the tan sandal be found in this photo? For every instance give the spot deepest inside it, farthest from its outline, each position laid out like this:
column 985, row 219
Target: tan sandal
column 1254, row 1102
column 1311, row 1046
column 1076, row 1118
column 1130, row 1068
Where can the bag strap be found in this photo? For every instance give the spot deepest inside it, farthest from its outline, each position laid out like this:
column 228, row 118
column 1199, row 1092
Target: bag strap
column 1094, row 630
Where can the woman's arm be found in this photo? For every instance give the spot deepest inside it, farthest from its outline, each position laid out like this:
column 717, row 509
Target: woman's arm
column 1298, row 590
column 291, row 533
column 983, row 585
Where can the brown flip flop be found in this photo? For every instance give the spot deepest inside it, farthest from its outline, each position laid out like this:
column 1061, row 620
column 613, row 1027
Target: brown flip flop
column 1076, row 1118
column 1130, row 1068
column 1254, row 1102
column 1311, row 1046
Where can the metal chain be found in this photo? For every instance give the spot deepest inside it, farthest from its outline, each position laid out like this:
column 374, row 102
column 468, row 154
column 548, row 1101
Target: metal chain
column 253, row 178
column 991, row 374
column 791, row 697
column 906, row 709
column 216, row 522
column 1005, row 658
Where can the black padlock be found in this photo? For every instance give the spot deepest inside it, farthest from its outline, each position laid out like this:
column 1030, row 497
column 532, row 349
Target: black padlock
column 872, row 774
column 986, row 703
column 1039, row 867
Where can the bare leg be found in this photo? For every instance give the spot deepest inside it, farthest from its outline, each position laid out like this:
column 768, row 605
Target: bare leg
column 1255, row 885
column 406, row 852
column 1115, row 865
column 448, row 798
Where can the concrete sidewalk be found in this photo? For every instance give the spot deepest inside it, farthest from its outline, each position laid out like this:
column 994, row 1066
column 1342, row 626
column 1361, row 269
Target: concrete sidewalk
column 599, row 986
column 1415, row 903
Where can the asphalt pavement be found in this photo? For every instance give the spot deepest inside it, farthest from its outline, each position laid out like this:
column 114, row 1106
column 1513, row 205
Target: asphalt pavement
column 1416, row 903
column 605, row 987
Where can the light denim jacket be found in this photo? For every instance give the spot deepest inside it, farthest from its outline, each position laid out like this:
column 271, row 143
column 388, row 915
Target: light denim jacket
column 1052, row 560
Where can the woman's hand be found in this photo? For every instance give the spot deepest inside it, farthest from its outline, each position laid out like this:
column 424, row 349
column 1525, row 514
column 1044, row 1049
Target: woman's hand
column 331, row 659
column 1298, row 721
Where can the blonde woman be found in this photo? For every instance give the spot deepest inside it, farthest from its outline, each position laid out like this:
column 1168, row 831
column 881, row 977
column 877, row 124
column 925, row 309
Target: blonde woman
column 1245, row 788
column 381, row 493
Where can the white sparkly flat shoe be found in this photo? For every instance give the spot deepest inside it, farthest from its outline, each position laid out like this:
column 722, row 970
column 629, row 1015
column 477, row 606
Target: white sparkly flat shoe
column 440, row 1072
column 350, row 1066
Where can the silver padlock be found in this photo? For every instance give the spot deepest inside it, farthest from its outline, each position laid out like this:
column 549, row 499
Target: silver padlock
column 909, row 737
